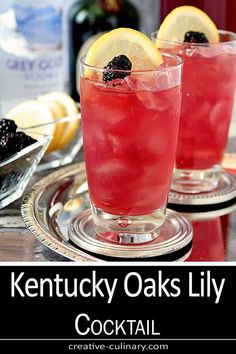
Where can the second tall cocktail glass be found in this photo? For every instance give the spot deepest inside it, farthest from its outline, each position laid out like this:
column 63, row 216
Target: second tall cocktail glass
column 209, row 79
column 130, row 129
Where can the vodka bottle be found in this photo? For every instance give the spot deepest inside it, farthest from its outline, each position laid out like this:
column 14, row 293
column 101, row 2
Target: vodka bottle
column 31, row 51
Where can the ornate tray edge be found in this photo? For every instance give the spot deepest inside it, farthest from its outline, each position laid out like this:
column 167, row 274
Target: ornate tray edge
column 28, row 216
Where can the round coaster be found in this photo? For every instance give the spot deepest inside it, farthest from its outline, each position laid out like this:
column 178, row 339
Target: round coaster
column 225, row 191
column 173, row 244
column 202, row 214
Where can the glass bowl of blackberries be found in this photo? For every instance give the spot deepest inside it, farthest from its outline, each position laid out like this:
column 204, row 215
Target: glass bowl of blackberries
column 20, row 154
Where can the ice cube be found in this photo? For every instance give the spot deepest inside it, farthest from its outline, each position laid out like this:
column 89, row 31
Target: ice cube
column 115, row 181
column 163, row 79
column 190, row 51
column 131, row 82
column 142, row 81
column 153, row 102
column 222, row 108
column 111, row 166
column 167, row 79
column 213, row 51
column 118, row 85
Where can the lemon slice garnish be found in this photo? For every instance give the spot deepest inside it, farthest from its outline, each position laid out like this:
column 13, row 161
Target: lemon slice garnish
column 135, row 45
column 184, row 19
column 69, row 108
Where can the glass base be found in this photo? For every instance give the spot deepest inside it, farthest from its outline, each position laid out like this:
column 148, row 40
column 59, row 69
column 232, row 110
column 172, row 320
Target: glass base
column 195, row 181
column 224, row 193
column 173, row 244
column 128, row 229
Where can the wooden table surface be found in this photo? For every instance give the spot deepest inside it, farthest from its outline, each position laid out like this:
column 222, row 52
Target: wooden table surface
column 17, row 243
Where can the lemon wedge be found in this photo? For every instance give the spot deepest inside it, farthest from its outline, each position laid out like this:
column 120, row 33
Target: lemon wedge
column 135, row 45
column 57, row 113
column 32, row 112
column 69, row 108
column 48, row 108
column 184, row 19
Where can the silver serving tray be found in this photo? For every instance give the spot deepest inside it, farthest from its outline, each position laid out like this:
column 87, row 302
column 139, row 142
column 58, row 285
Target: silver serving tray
column 53, row 203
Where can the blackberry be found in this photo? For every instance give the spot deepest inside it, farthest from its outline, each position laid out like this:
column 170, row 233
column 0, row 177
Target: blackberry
column 12, row 143
column 3, row 153
column 195, row 37
column 9, row 145
column 25, row 139
column 7, row 126
column 121, row 62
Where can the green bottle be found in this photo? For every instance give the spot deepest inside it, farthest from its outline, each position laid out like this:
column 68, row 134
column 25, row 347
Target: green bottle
column 87, row 20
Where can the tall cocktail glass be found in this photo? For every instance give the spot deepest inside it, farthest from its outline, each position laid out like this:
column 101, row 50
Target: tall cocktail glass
column 209, row 79
column 130, row 129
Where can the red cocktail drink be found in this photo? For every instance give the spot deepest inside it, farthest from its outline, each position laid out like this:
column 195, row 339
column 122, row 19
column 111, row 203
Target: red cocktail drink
column 208, row 93
column 130, row 129
column 129, row 158
column 209, row 79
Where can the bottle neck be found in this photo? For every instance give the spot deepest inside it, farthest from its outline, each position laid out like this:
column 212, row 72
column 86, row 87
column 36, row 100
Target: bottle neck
column 112, row 6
